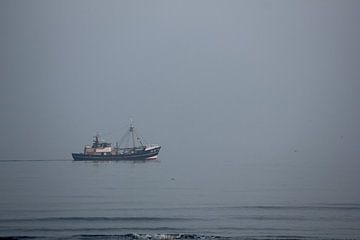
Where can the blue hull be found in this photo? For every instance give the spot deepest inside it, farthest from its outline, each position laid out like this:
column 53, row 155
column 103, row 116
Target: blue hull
column 144, row 155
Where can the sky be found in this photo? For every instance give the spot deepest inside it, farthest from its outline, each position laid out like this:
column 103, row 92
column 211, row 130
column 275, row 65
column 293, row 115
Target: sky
column 257, row 80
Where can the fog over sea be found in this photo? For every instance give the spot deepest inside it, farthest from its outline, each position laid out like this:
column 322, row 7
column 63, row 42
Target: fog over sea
column 255, row 104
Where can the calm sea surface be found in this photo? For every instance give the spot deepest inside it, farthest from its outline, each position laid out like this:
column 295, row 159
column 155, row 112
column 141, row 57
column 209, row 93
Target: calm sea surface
column 169, row 197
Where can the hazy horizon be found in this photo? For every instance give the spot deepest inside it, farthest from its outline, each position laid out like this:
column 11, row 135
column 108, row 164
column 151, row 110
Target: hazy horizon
column 255, row 80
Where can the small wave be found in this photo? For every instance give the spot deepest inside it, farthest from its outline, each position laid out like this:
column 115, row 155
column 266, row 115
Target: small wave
column 286, row 237
column 134, row 236
column 272, row 218
column 48, row 219
column 298, row 218
column 164, row 236
column 93, row 229
column 323, row 207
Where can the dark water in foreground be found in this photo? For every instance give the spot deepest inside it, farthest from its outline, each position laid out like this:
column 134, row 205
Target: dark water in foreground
column 163, row 200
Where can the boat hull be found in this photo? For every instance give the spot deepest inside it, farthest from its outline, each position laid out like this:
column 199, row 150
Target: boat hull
column 144, row 155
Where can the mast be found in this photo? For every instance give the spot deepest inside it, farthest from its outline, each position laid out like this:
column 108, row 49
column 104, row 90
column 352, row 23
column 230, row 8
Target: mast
column 132, row 132
column 131, row 135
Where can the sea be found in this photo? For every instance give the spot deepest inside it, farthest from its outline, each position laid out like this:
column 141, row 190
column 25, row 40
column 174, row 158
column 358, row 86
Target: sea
column 175, row 198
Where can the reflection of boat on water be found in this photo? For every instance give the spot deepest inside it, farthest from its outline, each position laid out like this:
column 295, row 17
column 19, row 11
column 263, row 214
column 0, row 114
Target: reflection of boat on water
column 103, row 151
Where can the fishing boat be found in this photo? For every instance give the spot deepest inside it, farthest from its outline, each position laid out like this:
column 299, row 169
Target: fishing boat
column 104, row 151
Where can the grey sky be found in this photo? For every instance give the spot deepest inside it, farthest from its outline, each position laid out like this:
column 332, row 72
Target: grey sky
column 221, row 79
